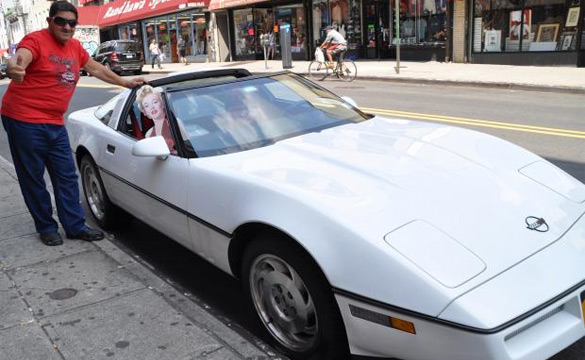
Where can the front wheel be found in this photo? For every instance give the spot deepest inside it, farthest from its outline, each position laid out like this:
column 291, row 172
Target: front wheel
column 293, row 300
column 347, row 71
column 318, row 70
column 106, row 214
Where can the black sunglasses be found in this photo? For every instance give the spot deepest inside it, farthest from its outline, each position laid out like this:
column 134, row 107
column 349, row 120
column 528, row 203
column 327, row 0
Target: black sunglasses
column 61, row 21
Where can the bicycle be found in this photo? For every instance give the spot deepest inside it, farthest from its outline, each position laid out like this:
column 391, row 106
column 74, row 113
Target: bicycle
column 345, row 70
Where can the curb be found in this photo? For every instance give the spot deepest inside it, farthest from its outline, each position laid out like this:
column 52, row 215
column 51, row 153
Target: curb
column 462, row 83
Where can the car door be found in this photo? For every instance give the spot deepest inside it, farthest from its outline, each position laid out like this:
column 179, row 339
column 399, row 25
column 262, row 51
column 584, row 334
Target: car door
column 152, row 189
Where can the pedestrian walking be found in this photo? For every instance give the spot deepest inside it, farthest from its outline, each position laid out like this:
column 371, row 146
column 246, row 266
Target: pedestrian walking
column 155, row 53
column 44, row 72
column 181, row 46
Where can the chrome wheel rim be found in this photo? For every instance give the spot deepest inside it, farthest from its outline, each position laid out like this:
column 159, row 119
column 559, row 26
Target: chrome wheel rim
column 283, row 303
column 93, row 192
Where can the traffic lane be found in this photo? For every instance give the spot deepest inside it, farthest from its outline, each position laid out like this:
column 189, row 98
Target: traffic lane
column 537, row 108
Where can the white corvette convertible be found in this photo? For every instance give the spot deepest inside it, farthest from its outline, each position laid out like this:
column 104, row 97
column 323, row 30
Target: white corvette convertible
column 351, row 233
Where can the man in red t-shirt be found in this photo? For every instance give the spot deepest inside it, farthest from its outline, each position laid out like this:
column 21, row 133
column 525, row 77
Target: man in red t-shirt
column 44, row 73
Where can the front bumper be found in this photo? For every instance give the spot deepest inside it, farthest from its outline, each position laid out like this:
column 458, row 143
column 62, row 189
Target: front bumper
column 538, row 336
column 529, row 312
column 133, row 66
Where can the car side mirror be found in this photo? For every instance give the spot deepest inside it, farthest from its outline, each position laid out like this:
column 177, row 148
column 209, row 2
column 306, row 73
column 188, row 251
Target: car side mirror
column 349, row 100
column 155, row 146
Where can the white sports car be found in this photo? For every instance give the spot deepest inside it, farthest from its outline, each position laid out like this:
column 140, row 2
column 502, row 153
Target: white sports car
column 351, row 233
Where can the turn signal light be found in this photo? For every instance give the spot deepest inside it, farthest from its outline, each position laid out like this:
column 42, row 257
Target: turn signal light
column 403, row 325
column 382, row 319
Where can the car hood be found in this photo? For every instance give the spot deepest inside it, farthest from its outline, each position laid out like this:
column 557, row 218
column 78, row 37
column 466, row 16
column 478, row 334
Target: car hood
column 474, row 193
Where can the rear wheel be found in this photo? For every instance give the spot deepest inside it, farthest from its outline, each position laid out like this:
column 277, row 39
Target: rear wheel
column 318, row 70
column 106, row 214
column 293, row 300
column 347, row 71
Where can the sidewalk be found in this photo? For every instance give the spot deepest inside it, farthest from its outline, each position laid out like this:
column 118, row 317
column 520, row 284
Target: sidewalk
column 546, row 78
column 87, row 301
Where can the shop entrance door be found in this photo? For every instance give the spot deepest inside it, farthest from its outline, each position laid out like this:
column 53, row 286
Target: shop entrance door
column 376, row 29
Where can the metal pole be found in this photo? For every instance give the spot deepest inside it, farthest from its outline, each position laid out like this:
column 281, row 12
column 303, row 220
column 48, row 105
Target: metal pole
column 397, row 21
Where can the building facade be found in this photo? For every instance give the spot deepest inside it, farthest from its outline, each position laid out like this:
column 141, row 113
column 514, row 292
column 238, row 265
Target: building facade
column 158, row 20
column 373, row 28
column 527, row 32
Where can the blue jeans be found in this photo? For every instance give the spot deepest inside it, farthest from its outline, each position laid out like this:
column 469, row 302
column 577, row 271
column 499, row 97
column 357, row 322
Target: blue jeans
column 34, row 148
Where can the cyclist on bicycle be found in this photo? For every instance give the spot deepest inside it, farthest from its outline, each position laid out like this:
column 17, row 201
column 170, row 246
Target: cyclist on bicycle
column 334, row 43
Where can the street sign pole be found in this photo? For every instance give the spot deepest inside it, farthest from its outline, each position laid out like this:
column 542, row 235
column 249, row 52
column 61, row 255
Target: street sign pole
column 397, row 37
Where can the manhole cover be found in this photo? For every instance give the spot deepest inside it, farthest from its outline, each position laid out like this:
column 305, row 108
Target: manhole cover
column 63, row 294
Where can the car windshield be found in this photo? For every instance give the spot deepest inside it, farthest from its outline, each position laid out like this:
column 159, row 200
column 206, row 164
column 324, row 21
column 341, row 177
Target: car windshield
column 126, row 46
column 255, row 112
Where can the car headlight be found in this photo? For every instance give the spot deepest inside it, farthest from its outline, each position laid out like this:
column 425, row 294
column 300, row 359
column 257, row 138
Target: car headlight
column 436, row 253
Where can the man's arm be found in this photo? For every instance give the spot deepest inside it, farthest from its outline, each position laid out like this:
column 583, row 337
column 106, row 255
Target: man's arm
column 17, row 64
column 101, row 72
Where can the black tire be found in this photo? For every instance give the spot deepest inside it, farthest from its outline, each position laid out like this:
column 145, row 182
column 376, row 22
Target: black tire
column 318, row 70
column 270, row 264
column 348, row 71
column 106, row 214
column 137, row 72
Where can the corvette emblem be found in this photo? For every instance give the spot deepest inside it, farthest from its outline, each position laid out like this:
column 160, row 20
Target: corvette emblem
column 536, row 224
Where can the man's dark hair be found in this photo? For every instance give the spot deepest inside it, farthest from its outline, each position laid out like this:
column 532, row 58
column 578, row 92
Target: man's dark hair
column 62, row 6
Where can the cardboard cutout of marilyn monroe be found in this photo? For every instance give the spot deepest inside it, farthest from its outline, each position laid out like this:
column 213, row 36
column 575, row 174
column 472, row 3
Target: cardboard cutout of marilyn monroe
column 151, row 104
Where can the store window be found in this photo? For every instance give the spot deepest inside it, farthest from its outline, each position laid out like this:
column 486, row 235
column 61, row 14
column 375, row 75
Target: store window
column 294, row 15
column 244, row 33
column 158, row 29
column 422, row 22
column 200, row 37
column 344, row 15
column 131, row 31
column 264, row 24
column 535, row 25
column 185, row 32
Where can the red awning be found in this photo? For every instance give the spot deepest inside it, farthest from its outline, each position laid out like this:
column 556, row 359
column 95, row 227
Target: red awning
column 88, row 15
column 215, row 5
column 119, row 12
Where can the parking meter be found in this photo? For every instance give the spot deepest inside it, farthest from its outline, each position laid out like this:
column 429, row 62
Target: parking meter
column 285, row 46
column 264, row 44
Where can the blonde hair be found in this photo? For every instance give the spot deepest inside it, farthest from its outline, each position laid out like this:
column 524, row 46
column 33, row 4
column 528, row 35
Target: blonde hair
column 144, row 91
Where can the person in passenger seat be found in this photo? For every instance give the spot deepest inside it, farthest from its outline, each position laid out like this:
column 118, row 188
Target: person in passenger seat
column 151, row 104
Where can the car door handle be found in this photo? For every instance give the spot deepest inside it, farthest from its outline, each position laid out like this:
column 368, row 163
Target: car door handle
column 111, row 149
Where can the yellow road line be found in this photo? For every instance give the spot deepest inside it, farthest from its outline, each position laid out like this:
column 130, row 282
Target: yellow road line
column 481, row 123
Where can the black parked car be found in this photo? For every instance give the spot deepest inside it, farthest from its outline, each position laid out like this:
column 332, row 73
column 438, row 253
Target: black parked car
column 2, row 70
column 120, row 55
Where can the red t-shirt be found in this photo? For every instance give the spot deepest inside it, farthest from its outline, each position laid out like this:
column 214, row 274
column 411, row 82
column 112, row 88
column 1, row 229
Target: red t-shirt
column 43, row 97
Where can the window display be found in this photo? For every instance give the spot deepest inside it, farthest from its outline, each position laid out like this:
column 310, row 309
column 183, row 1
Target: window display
column 421, row 22
column 540, row 25
column 344, row 15
column 244, row 33
column 293, row 15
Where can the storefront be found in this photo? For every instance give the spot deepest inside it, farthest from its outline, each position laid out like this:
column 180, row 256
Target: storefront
column 528, row 32
column 250, row 23
column 162, row 21
column 369, row 27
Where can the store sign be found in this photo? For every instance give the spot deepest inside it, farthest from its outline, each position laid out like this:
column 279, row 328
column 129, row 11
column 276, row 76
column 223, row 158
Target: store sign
column 126, row 7
column 130, row 10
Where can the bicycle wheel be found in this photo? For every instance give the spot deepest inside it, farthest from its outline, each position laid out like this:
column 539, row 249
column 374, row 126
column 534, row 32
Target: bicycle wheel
column 318, row 70
column 347, row 71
